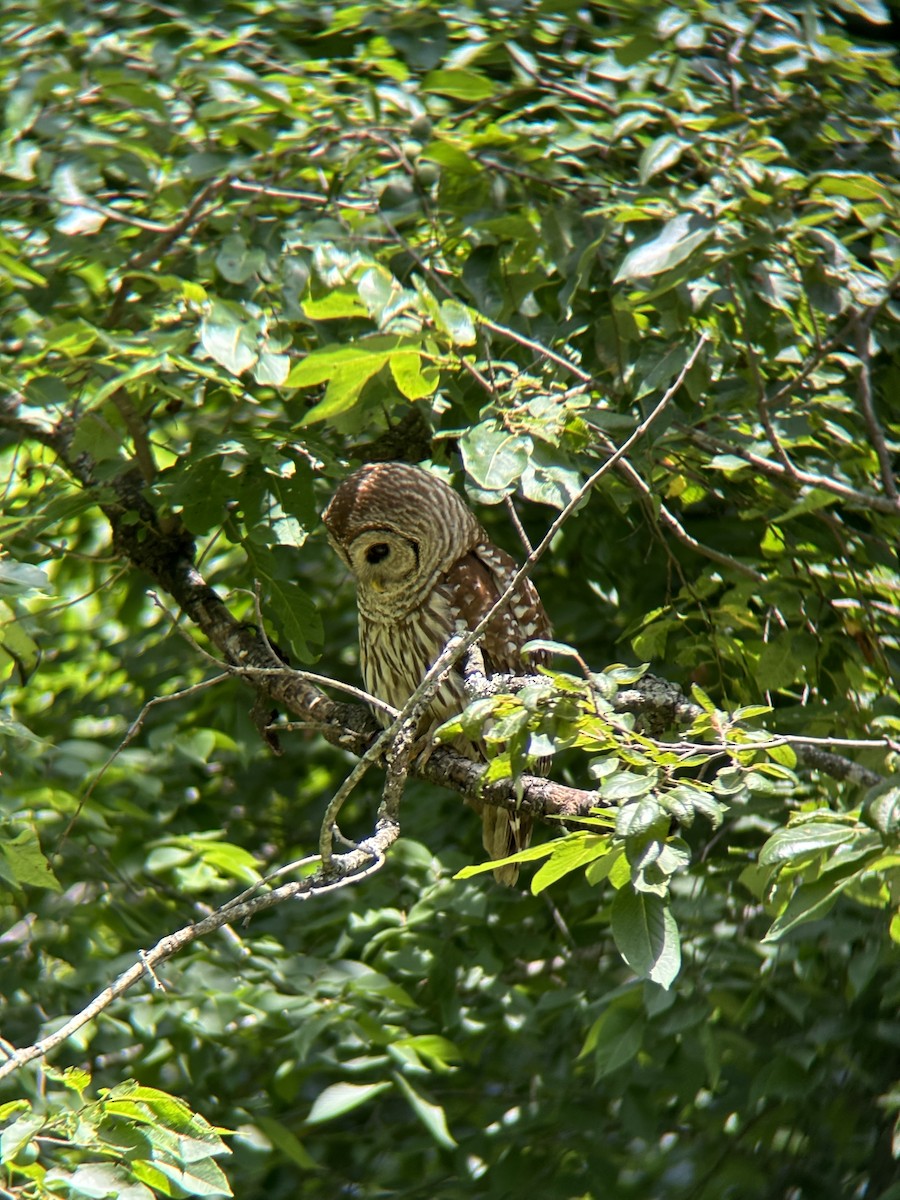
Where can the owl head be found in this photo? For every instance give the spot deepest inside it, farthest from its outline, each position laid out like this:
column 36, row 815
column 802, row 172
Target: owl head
column 398, row 528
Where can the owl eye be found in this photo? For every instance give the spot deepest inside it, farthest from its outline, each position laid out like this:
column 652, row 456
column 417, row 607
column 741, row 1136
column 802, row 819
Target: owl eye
column 378, row 553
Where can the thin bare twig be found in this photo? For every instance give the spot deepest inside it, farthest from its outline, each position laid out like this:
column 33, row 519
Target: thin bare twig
column 90, row 204
column 530, row 344
column 240, row 185
column 670, row 521
column 517, row 524
column 885, row 504
column 133, row 730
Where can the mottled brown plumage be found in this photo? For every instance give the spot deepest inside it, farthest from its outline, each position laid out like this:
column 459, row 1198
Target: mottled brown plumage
column 422, row 563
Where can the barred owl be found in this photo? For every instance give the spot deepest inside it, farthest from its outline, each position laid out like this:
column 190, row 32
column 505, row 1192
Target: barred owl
column 422, row 563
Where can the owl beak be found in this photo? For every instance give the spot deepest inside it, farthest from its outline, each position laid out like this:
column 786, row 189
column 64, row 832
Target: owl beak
column 376, row 585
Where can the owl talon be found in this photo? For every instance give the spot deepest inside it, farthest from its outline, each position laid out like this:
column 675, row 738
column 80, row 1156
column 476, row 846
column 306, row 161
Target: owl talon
column 423, row 748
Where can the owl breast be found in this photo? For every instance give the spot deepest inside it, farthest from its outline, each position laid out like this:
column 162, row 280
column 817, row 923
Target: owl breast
column 395, row 656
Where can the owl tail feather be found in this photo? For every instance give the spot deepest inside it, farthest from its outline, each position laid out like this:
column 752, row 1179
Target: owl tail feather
column 503, row 833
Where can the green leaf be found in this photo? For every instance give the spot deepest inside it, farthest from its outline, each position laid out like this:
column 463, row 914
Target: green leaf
column 201, row 1178
column 147, row 366
column 342, row 393
column 646, row 935
column 99, row 1180
column 661, row 154
column 364, row 357
column 882, row 809
column 778, row 665
column 236, row 262
column 96, row 437
column 748, row 711
column 196, row 745
column 341, row 1098
column 228, row 337
column 871, row 10
column 698, row 694
column 455, row 319
column 461, row 84
column 570, row 853
column 677, row 240
column 410, row 378
column 812, row 500
column 728, row 462
column 47, row 390
column 296, row 614
column 602, row 868
column 808, row 903
column 785, row 755
column 272, row 368
column 24, row 862
column 13, row 1106
column 521, row 856
column 554, row 485
column 431, row 1115
column 614, row 1038
column 436, row 1049
column 19, row 272
column 348, row 369
column 285, row 1141
column 493, row 457
column 800, row 841
column 20, row 578
column 551, row 647
column 232, row 861
column 340, row 303
column 625, row 785
column 73, row 1078
column 11, row 728
column 708, row 806
column 16, row 1136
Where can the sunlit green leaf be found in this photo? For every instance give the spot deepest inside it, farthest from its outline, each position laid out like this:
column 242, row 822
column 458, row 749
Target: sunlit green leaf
column 660, row 155
column 431, row 1115
column 677, row 240
column 800, row 841
column 493, row 457
column 228, row 338
column 459, row 83
column 341, row 1098
column 24, row 863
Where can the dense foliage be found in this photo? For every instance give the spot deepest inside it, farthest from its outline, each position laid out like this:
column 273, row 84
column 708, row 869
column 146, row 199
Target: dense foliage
column 247, row 246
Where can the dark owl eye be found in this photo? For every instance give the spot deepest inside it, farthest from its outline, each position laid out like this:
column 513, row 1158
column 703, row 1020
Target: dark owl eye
column 378, row 553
